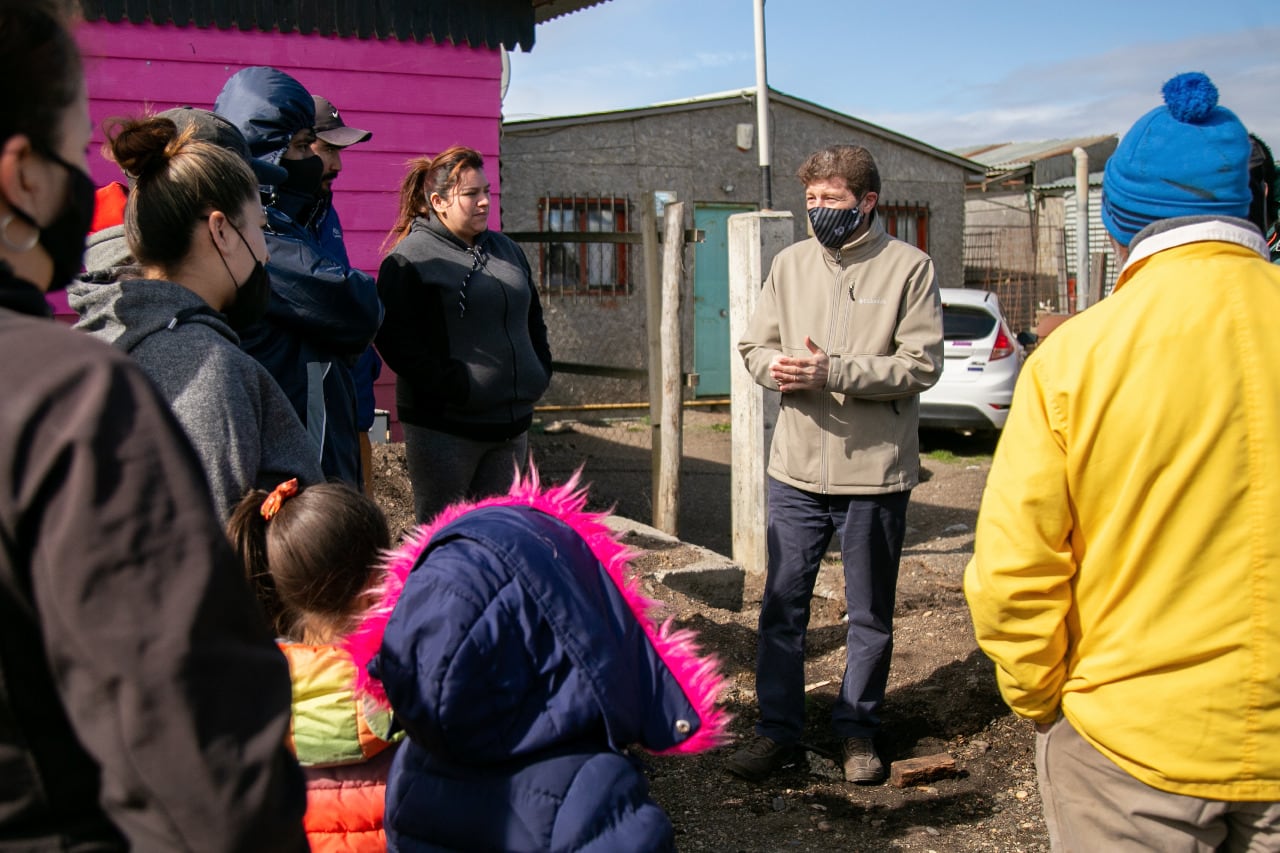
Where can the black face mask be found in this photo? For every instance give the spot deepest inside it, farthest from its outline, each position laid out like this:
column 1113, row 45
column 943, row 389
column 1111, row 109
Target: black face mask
column 63, row 238
column 305, row 175
column 252, row 295
column 834, row 226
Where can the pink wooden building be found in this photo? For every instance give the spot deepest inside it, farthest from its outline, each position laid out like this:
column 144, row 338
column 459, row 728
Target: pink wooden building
column 420, row 74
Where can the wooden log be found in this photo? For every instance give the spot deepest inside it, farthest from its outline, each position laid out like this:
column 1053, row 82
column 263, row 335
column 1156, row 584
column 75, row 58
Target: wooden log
column 666, row 497
column 925, row 768
column 653, row 328
column 1097, row 276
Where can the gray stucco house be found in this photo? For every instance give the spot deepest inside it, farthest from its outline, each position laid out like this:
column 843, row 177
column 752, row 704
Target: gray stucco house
column 592, row 172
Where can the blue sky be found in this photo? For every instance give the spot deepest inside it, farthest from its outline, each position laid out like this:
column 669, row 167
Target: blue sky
column 949, row 74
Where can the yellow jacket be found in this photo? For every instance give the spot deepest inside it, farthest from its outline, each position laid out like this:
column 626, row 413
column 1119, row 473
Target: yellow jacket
column 1126, row 566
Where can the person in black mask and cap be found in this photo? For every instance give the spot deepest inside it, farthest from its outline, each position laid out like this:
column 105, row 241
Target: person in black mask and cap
column 849, row 329
column 322, row 314
column 128, row 639
column 193, row 224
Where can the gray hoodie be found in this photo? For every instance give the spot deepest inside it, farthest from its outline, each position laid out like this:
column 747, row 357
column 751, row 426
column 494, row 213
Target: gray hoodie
column 107, row 251
column 240, row 422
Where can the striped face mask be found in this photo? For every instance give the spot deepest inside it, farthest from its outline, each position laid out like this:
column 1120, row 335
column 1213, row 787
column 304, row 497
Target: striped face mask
column 834, row 226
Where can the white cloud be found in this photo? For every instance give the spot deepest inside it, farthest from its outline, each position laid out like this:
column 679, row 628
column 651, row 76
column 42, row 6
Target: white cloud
column 575, row 70
column 611, row 83
column 1105, row 93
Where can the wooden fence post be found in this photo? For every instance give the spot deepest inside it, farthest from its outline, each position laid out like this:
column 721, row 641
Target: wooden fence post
column 666, row 496
column 653, row 322
column 1097, row 276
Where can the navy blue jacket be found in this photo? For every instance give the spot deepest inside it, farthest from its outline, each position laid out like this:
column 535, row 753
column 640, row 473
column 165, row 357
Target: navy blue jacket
column 520, row 670
column 322, row 314
column 328, row 230
column 320, row 318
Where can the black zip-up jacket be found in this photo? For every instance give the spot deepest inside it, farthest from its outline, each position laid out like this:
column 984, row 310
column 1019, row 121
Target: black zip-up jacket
column 143, row 702
column 463, row 332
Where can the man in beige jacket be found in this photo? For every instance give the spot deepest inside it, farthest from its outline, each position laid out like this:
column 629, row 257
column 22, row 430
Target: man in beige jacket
column 849, row 329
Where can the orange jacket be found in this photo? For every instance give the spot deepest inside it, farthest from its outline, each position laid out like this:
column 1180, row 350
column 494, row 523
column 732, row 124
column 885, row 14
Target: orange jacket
column 344, row 748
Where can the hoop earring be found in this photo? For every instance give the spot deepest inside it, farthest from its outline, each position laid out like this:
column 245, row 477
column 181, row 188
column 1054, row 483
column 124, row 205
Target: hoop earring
column 4, row 236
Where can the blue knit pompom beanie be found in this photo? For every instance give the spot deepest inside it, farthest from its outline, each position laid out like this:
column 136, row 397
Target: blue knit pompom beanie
column 1189, row 157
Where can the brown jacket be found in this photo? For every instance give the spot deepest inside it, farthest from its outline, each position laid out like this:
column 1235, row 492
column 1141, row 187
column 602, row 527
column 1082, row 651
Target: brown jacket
column 143, row 703
column 873, row 307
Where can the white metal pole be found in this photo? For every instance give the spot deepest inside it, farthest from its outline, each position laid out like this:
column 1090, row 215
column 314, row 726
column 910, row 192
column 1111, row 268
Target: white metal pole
column 1082, row 228
column 762, row 111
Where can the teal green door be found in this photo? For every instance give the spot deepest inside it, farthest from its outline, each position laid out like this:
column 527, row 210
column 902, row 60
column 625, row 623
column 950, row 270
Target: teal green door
column 712, row 349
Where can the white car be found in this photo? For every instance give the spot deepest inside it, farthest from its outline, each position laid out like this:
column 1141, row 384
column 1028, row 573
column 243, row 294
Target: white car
column 980, row 366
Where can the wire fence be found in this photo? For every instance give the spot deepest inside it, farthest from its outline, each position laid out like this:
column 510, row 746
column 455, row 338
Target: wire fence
column 1025, row 267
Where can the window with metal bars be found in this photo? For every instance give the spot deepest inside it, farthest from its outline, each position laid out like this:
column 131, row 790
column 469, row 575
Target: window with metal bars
column 908, row 222
column 580, row 266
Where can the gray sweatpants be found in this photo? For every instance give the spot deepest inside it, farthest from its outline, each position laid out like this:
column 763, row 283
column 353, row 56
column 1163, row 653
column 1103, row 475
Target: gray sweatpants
column 446, row 468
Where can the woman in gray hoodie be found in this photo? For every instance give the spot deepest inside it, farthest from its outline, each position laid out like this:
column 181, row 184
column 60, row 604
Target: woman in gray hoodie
column 463, row 332
column 194, row 224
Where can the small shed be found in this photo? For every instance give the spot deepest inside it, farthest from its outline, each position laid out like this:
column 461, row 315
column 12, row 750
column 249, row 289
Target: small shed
column 1020, row 233
column 592, row 172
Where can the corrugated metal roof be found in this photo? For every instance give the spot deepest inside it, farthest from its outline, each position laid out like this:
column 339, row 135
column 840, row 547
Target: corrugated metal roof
column 1069, row 183
column 545, row 10
column 749, row 94
column 1015, row 155
column 479, row 23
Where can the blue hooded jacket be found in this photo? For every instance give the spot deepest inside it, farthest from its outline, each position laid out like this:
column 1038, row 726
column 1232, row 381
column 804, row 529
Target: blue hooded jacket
column 521, row 663
column 322, row 314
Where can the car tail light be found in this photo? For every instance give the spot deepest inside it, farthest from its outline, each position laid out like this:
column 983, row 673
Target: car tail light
column 1003, row 347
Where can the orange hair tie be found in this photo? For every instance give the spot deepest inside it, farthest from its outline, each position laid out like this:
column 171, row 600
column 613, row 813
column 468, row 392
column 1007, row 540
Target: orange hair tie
column 272, row 504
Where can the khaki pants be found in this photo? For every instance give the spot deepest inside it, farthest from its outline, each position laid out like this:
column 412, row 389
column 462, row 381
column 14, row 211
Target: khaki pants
column 1090, row 804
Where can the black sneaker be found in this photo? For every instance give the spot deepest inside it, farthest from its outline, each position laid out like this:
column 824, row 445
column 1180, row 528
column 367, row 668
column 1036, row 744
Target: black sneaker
column 763, row 757
column 860, row 762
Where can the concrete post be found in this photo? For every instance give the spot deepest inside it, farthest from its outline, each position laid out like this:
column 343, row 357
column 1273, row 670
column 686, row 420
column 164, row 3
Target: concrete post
column 754, row 240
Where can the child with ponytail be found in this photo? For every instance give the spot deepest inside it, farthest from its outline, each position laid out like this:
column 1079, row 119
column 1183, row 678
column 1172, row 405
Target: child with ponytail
column 310, row 555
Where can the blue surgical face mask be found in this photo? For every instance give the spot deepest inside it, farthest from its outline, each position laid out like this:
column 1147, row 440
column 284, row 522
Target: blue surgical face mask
column 834, row 226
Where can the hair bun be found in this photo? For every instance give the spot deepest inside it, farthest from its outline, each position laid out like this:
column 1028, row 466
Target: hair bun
column 143, row 146
column 1190, row 97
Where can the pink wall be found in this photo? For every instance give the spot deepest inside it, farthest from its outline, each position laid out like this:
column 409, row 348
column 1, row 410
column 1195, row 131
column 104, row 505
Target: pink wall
column 416, row 98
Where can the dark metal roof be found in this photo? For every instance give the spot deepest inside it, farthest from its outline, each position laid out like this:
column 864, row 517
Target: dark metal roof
column 479, row 23
column 545, row 10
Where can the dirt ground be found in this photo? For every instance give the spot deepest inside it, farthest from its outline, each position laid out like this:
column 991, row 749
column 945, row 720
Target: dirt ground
column 942, row 696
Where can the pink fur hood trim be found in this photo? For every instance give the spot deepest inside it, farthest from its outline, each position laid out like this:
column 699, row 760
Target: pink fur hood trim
column 698, row 675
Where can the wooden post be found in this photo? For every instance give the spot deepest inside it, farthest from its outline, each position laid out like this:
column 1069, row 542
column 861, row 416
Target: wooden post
column 653, row 318
column 1097, row 276
column 754, row 239
column 666, row 497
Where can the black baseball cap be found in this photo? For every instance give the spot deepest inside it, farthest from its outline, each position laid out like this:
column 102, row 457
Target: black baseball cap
column 211, row 127
column 331, row 129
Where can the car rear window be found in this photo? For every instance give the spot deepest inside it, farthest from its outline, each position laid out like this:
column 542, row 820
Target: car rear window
column 962, row 323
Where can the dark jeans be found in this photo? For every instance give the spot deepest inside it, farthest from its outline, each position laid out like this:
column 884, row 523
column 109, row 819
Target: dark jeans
column 871, row 529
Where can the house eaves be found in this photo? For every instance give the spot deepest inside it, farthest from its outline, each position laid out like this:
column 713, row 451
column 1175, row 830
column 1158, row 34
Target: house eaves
column 701, row 102
column 480, row 23
column 1037, row 163
column 545, row 10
